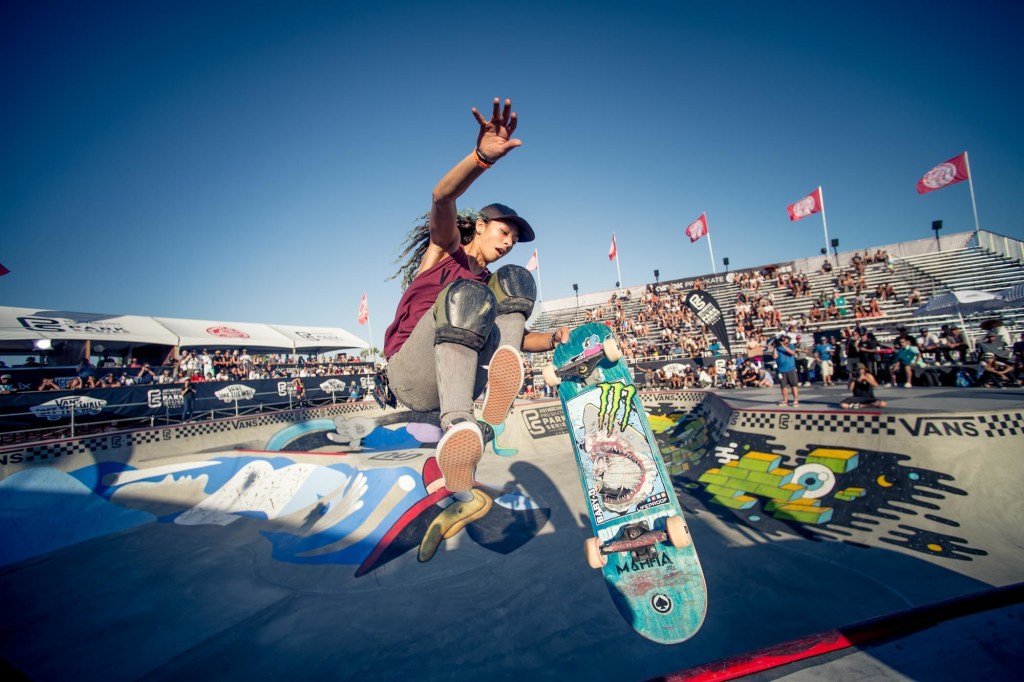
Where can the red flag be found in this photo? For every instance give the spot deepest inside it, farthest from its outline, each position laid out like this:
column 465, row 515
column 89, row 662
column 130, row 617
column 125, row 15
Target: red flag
column 3, row 270
column 954, row 170
column 613, row 251
column 812, row 203
column 698, row 228
column 533, row 265
column 364, row 311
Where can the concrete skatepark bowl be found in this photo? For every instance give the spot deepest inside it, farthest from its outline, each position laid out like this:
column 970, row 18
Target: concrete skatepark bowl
column 319, row 544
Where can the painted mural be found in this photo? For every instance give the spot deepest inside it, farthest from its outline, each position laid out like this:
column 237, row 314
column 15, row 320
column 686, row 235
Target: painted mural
column 311, row 505
column 819, row 491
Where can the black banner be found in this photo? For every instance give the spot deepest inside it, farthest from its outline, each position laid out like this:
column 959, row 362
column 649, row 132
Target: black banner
column 164, row 401
column 706, row 308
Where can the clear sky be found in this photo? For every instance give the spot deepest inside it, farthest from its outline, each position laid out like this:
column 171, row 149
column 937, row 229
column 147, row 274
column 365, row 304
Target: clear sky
column 262, row 161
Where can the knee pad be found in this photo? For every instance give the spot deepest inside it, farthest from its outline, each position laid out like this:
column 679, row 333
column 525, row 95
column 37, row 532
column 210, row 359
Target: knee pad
column 514, row 289
column 464, row 314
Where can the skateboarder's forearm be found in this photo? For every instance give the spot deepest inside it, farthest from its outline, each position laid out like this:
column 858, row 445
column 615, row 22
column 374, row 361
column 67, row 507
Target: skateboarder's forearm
column 541, row 342
column 443, row 213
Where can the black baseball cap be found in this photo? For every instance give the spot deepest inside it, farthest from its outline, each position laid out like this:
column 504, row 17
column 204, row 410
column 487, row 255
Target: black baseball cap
column 503, row 212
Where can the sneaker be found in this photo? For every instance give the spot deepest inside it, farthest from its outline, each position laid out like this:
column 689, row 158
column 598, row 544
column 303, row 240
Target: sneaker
column 505, row 377
column 458, row 453
column 908, row 385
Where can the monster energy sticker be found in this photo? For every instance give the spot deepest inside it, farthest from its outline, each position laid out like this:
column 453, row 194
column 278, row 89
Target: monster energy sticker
column 614, row 454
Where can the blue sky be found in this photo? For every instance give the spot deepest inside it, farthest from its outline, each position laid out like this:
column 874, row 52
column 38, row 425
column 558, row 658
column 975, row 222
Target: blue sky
column 262, row 162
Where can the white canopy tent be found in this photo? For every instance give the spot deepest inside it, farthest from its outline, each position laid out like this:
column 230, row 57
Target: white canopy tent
column 21, row 329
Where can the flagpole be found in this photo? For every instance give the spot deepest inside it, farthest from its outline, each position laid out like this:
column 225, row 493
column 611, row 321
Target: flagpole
column 710, row 251
column 618, row 272
column 824, row 223
column 540, row 286
column 970, row 183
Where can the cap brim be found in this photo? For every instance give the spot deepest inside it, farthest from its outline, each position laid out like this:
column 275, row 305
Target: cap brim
column 523, row 228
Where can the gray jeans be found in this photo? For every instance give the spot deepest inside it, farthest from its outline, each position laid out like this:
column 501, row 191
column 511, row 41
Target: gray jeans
column 447, row 376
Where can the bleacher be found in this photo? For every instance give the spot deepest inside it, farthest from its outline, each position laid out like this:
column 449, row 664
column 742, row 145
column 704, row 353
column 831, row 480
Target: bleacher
column 980, row 261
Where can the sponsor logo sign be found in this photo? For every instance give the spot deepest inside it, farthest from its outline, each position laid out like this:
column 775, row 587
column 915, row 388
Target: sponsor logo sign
column 62, row 407
column 235, row 392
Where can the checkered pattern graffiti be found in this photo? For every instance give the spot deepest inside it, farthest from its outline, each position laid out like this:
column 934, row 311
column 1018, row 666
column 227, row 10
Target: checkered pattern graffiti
column 1006, row 424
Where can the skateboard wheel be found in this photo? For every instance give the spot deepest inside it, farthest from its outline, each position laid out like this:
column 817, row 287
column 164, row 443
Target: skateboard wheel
column 678, row 533
column 550, row 378
column 595, row 558
column 611, row 349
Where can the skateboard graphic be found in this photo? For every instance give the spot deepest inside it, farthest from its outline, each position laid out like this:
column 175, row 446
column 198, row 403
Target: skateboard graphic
column 641, row 542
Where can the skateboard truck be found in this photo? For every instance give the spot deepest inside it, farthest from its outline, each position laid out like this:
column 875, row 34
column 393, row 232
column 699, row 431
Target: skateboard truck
column 639, row 540
column 584, row 367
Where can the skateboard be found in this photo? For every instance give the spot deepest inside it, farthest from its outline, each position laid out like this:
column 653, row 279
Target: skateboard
column 640, row 540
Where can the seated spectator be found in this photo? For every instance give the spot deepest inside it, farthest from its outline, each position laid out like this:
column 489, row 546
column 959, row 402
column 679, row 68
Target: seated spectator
column 994, row 372
column 914, row 297
column 7, row 385
column 992, row 344
column 862, row 385
column 764, row 378
column 956, row 342
column 928, row 344
column 145, row 375
column 355, row 392
column 1018, row 355
column 109, row 381
column 165, row 377
column 907, row 358
column 49, row 384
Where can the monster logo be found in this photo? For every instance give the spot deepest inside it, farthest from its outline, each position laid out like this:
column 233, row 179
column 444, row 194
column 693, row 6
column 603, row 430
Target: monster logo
column 614, row 396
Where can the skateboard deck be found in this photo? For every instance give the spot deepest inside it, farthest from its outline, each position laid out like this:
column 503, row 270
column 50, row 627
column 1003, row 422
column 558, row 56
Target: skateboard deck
column 641, row 542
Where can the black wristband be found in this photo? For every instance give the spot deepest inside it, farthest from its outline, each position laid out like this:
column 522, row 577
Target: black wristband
column 483, row 158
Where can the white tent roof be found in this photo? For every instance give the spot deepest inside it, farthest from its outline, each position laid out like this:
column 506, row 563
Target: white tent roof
column 314, row 338
column 194, row 333
column 22, row 326
column 31, row 324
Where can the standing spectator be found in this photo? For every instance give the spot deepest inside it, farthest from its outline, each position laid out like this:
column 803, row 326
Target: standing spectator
column 1018, row 355
column 868, row 350
column 823, row 352
column 188, row 406
column 785, row 363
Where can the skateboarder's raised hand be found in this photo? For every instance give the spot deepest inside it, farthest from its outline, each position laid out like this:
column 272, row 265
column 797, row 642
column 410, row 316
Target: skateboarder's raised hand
column 495, row 139
column 493, row 142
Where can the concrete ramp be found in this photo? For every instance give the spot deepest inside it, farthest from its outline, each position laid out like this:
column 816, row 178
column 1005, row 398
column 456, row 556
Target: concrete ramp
column 321, row 545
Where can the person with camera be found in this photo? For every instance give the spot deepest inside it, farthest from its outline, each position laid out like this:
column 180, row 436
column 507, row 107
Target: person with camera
column 862, row 385
column 785, row 363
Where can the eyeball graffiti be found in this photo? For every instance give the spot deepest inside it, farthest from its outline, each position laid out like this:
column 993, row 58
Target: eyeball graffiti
column 817, row 480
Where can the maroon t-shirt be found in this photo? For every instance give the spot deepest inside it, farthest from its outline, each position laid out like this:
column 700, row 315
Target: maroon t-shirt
column 421, row 295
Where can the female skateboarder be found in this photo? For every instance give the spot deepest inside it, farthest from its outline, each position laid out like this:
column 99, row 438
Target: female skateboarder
column 459, row 327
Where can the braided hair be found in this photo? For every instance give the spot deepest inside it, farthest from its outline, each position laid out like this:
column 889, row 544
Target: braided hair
column 418, row 238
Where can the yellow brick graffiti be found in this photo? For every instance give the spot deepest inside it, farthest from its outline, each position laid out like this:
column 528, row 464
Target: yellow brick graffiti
column 740, row 483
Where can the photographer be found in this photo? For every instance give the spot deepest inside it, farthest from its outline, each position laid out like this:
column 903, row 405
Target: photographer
column 862, row 385
column 785, row 362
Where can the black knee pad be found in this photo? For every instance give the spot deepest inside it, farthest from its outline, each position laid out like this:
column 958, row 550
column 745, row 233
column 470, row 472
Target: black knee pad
column 464, row 314
column 514, row 289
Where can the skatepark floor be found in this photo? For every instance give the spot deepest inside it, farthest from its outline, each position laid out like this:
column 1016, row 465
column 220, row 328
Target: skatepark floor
column 162, row 601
